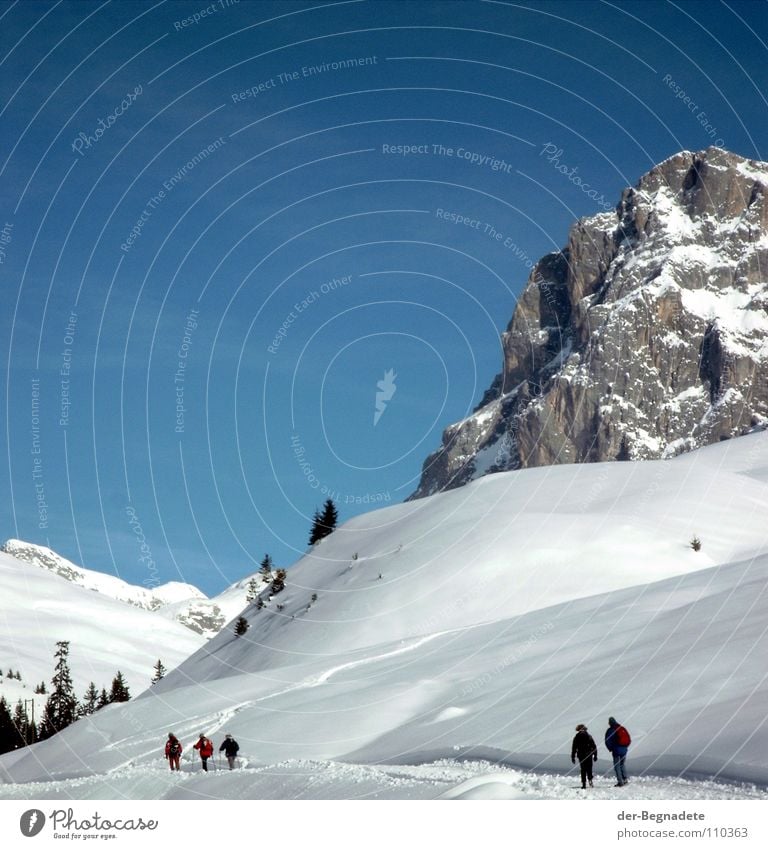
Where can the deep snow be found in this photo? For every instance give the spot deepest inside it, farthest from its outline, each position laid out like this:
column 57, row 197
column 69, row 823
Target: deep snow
column 506, row 612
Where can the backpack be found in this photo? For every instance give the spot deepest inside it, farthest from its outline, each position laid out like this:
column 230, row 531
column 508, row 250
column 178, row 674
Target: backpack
column 622, row 736
column 175, row 748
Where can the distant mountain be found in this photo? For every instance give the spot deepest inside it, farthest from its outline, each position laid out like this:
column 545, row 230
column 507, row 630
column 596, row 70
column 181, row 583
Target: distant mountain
column 646, row 336
column 174, row 601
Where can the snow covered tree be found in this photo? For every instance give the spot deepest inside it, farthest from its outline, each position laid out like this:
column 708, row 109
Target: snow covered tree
column 695, row 544
column 278, row 584
column 90, row 700
column 40, row 689
column 259, row 603
column 324, row 523
column 241, row 626
column 253, row 590
column 61, row 707
column 266, row 569
column 160, row 671
column 119, row 691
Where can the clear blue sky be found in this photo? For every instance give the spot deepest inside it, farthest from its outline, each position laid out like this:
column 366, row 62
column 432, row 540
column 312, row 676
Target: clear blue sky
column 208, row 206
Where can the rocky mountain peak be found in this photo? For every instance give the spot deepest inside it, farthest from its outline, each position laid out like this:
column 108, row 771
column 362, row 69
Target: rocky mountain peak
column 645, row 336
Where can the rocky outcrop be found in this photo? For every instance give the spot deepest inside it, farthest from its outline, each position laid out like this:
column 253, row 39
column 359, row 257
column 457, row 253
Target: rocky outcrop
column 646, row 336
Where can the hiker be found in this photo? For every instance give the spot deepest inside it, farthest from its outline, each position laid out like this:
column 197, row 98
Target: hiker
column 230, row 748
column 617, row 741
column 585, row 749
column 205, row 747
column 173, row 752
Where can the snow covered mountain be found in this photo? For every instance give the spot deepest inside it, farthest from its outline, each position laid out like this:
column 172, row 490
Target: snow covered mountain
column 174, row 600
column 449, row 645
column 646, row 336
column 39, row 607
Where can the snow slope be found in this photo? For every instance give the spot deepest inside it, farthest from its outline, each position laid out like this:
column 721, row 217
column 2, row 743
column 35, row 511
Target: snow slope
column 39, row 607
column 506, row 612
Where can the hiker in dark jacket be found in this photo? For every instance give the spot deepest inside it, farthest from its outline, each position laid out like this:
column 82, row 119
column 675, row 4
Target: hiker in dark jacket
column 585, row 750
column 230, row 748
column 617, row 742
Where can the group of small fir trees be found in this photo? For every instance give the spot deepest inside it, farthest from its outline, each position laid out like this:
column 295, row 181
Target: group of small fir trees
column 62, row 707
column 323, row 523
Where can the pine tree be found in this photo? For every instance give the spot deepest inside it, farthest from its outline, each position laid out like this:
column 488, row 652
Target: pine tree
column 119, row 691
column 278, row 584
column 266, row 569
column 61, row 707
column 241, row 626
column 90, row 700
column 253, row 591
column 103, row 699
column 160, row 671
column 7, row 728
column 324, row 523
column 25, row 732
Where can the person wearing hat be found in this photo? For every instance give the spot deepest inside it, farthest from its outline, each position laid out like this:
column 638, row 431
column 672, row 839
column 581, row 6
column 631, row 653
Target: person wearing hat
column 205, row 747
column 230, row 748
column 585, row 749
column 173, row 752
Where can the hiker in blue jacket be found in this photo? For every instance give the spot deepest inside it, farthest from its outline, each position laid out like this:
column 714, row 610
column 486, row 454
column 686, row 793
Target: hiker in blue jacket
column 617, row 741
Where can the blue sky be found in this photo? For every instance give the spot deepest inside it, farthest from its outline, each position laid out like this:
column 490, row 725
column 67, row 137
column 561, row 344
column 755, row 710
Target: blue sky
column 253, row 211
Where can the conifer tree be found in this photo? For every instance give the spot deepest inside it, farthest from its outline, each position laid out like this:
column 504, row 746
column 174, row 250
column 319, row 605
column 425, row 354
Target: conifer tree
column 253, row 591
column 119, row 691
column 103, row 699
column 278, row 584
column 25, row 731
column 61, row 707
column 7, row 728
column 90, row 700
column 241, row 626
column 266, row 569
column 160, row 671
column 324, row 523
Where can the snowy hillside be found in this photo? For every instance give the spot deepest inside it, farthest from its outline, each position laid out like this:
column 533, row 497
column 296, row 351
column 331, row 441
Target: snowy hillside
column 39, row 607
column 174, row 600
column 464, row 641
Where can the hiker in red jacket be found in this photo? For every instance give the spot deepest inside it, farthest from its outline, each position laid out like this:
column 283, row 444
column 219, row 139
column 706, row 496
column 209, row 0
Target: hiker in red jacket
column 205, row 747
column 617, row 741
column 173, row 752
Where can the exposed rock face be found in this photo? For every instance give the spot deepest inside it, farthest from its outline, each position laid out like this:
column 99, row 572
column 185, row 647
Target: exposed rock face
column 646, row 336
